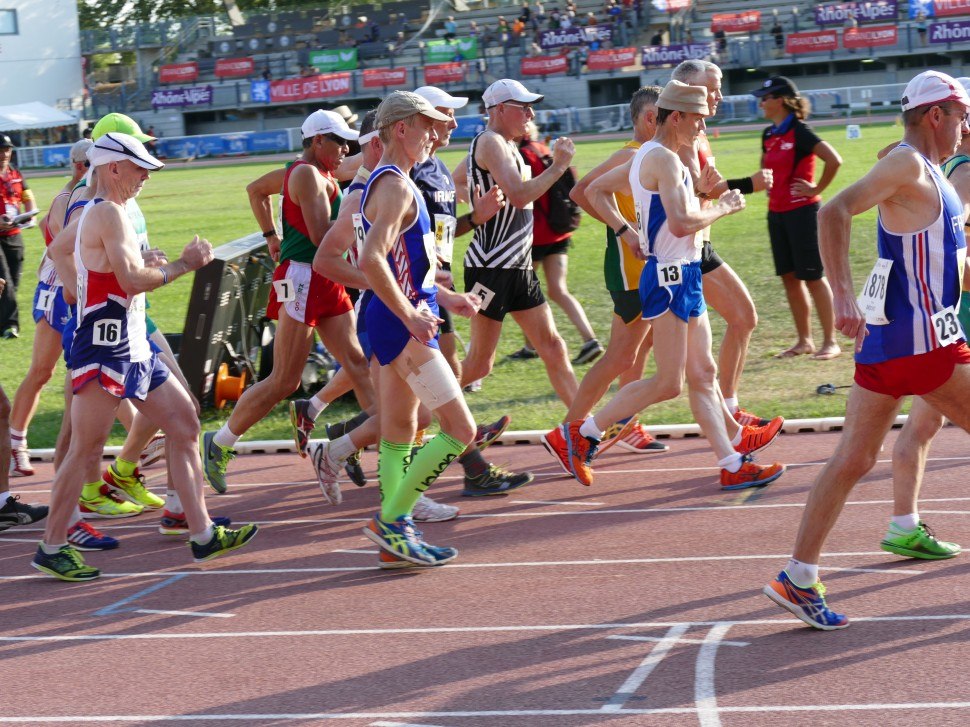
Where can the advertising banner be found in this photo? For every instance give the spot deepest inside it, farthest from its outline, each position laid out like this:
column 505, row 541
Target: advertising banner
column 267, row 141
column 655, row 56
column 468, row 126
column 870, row 37
column 543, row 65
column 259, row 92
column 736, row 22
column 605, row 60
column 235, row 67
column 446, row 51
column 444, row 73
column 823, row 40
column 174, row 97
column 338, row 59
column 948, row 7
column 671, row 6
column 178, row 72
column 575, row 36
column 301, row 89
column 381, row 77
column 873, row 11
column 950, row 31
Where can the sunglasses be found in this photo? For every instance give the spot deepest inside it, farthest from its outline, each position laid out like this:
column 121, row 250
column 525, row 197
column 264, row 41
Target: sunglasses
column 338, row 140
column 523, row 106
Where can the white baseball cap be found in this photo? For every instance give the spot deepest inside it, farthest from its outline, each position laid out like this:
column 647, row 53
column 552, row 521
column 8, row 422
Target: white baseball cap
column 116, row 147
column 507, row 89
column 933, row 87
column 327, row 122
column 440, row 99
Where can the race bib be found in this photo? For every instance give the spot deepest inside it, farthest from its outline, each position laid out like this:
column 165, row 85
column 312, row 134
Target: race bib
column 358, row 222
column 872, row 300
column 429, row 250
column 484, row 293
column 947, row 326
column 106, row 332
column 669, row 274
column 444, row 236
column 285, row 290
column 638, row 205
column 45, row 300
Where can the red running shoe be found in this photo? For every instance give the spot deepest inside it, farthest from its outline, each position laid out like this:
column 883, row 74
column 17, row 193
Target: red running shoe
column 572, row 450
column 747, row 419
column 754, row 439
column 751, row 475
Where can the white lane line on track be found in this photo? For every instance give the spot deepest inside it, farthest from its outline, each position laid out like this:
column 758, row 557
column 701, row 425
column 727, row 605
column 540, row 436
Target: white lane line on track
column 705, row 693
column 357, row 550
column 774, row 622
column 201, row 614
column 462, row 566
column 264, row 718
column 650, row 662
column 553, row 502
column 400, row 724
column 627, row 637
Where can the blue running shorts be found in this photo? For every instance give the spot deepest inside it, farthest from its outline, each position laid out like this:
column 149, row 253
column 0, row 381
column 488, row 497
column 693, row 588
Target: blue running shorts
column 49, row 305
column 685, row 300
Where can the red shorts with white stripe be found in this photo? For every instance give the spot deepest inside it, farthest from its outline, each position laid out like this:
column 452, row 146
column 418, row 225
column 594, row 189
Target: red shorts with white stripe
column 912, row 375
column 306, row 296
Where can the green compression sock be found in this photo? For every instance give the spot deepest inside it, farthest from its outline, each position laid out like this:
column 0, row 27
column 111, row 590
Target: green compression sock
column 428, row 463
column 392, row 463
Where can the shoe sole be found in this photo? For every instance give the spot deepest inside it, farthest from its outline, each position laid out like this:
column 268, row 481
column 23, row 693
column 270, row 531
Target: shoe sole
column 645, row 450
column 359, row 479
column 92, row 549
column 296, row 438
column 486, row 443
column 921, row 555
column 173, row 531
column 62, row 577
column 247, row 541
column 21, row 473
column 589, row 358
column 205, row 474
column 796, row 611
column 94, row 515
column 495, row 493
column 435, row 519
column 755, row 483
column 555, row 455
column 379, row 541
column 767, row 444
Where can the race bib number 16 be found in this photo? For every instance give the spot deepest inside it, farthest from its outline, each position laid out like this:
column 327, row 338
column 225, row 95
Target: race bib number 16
column 106, row 332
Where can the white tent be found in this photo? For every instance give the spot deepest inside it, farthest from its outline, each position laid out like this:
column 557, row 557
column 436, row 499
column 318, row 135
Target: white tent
column 34, row 115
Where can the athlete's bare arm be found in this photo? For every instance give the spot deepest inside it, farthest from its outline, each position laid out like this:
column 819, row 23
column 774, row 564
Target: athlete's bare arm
column 330, row 258
column 600, row 196
column 390, row 205
column 578, row 193
column 462, row 304
column 310, row 190
column 460, row 175
column 483, row 208
column 61, row 252
column 260, row 191
column 348, row 167
column 493, row 154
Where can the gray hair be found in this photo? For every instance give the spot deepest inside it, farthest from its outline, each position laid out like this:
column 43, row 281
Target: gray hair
column 691, row 70
column 643, row 97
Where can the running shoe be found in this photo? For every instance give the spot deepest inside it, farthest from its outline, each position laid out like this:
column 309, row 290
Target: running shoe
column 223, row 541
column 640, row 440
column 108, row 505
column 20, row 462
column 747, row 419
column 427, row 510
column 473, row 387
column 327, row 470
column 495, row 481
column 590, row 351
column 302, row 424
column 131, row 488
column 355, row 470
column 154, row 452
column 524, row 354
column 440, row 554
column 399, row 538
column 751, row 475
column 15, row 513
column 66, row 564
column 489, row 433
column 808, row 604
column 918, row 543
column 754, row 439
column 174, row 523
column 215, row 459
column 82, row 536
column 572, row 450
column 386, row 561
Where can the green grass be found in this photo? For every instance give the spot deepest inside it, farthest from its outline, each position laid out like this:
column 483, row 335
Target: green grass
column 211, row 201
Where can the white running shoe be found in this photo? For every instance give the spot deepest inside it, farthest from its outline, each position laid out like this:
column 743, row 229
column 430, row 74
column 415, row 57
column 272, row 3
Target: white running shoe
column 20, row 463
column 154, row 452
column 427, row 510
column 328, row 470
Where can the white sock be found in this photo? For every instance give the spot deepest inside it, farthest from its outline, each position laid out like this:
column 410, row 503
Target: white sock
column 3, row 498
column 316, row 406
column 225, row 438
column 342, row 447
column 204, row 537
column 76, row 516
column 18, row 438
column 732, row 463
column 172, row 502
column 803, row 575
column 906, row 522
column 737, row 437
column 589, row 429
column 51, row 549
column 732, row 403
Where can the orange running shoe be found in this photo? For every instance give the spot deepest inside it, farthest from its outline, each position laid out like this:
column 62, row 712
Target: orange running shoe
column 751, row 475
column 754, row 439
column 572, row 450
column 747, row 419
column 640, row 440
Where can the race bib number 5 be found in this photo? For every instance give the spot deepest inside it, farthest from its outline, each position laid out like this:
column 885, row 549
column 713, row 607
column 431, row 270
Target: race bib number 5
column 947, row 326
column 285, row 290
column 106, row 332
column 484, row 293
column 668, row 274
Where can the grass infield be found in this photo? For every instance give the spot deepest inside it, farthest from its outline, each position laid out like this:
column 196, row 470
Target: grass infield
column 211, row 201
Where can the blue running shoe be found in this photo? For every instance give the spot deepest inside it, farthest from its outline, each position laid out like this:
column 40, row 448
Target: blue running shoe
column 808, row 604
column 399, row 538
column 66, row 565
column 440, row 554
column 84, row 537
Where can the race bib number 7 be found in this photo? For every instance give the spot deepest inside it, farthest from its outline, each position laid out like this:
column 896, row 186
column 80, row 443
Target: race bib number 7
column 106, row 332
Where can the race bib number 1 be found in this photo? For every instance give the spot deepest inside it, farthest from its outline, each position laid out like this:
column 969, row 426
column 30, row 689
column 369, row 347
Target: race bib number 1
column 947, row 326
column 106, row 332
column 45, row 300
column 668, row 274
column 872, row 300
column 285, row 290
column 444, row 236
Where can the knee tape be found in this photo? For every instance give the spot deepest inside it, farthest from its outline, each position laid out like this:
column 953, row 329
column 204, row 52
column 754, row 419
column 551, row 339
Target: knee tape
column 434, row 383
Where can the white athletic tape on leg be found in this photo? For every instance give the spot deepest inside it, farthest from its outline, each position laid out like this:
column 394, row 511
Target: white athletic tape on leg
column 434, row 384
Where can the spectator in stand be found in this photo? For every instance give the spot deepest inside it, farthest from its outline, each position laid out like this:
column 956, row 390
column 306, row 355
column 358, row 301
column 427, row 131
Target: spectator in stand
column 689, row 37
column 614, row 12
column 538, row 15
column 591, row 18
column 151, row 145
column 565, row 21
column 451, row 28
column 526, row 15
column 535, row 49
column 720, row 42
column 554, row 16
column 657, row 38
column 473, row 31
column 921, row 27
column 779, row 33
column 375, row 32
column 16, row 195
column 549, row 252
column 86, row 134
column 503, row 29
column 517, row 28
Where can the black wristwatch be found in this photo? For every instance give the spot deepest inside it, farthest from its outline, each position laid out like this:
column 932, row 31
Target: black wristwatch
column 471, row 220
column 619, row 233
column 269, row 233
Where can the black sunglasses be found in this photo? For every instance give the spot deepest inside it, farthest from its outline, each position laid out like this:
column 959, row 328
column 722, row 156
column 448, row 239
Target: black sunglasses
column 338, row 140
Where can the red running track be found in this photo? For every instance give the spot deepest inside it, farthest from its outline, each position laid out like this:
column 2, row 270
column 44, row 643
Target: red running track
column 634, row 602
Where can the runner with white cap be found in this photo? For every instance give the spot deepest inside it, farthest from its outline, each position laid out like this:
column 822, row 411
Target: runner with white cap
column 908, row 340
column 498, row 262
column 112, row 360
column 301, row 300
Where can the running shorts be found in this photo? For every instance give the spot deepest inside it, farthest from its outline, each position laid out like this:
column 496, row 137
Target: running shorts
column 912, row 375
column 49, row 305
column 504, row 290
column 685, row 300
column 306, row 296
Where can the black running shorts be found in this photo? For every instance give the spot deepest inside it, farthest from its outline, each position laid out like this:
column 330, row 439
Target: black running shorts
column 504, row 290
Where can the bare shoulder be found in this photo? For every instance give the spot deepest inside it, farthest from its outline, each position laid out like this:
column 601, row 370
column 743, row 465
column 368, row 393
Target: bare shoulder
column 490, row 148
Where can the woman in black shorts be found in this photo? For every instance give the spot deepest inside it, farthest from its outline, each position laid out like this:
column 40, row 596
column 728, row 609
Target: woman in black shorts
column 789, row 148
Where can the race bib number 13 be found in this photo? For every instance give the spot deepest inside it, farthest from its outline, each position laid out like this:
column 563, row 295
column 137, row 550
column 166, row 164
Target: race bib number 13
column 668, row 274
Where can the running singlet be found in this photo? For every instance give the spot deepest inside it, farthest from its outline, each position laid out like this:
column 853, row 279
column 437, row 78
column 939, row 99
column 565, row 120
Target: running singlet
column 296, row 244
column 505, row 241
column 924, row 279
column 47, row 274
column 110, row 323
column 135, row 216
column 620, row 266
column 436, row 184
column 656, row 240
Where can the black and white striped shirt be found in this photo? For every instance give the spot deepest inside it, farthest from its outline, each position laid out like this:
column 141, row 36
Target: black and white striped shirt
column 505, row 241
